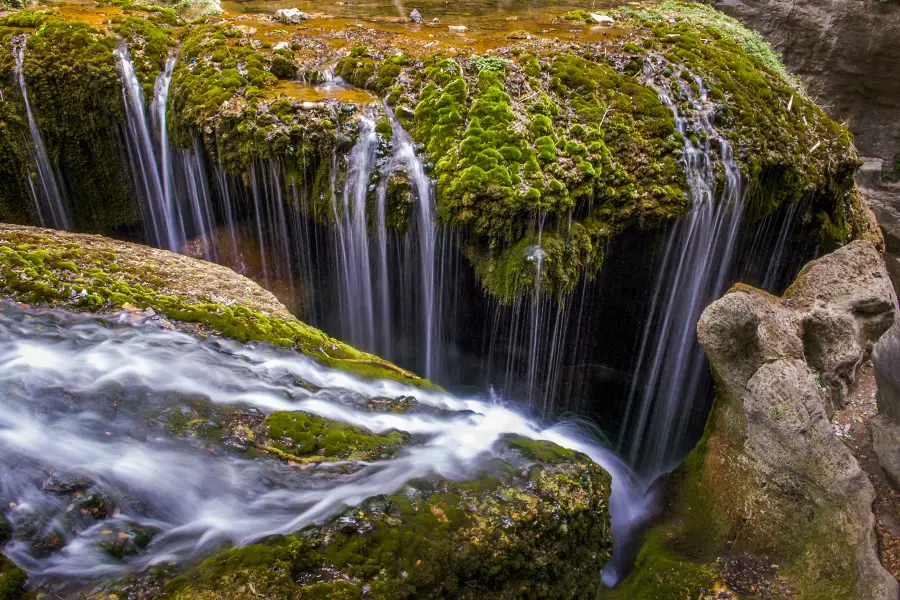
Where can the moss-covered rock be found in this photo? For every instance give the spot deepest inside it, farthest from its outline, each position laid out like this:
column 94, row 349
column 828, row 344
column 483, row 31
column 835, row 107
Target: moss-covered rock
column 74, row 89
column 85, row 272
column 537, row 531
column 542, row 146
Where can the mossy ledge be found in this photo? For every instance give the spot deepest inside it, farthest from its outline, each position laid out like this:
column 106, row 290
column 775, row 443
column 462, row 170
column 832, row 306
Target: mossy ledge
column 93, row 273
column 526, row 530
column 538, row 146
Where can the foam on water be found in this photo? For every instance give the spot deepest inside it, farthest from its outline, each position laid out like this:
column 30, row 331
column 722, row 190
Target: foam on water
column 77, row 394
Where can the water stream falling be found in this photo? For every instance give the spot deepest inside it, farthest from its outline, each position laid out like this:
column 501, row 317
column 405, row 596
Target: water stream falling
column 82, row 392
column 426, row 234
column 696, row 262
column 45, row 189
column 358, row 306
column 150, row 161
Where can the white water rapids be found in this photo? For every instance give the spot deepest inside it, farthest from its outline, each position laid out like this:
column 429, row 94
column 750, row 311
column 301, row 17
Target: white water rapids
column 76, row 391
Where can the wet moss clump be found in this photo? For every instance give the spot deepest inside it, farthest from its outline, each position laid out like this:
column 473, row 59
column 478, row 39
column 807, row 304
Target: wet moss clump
column 73, row 86
column 305, row 436
column 94, row 274
column 526, row 531
column 561, row 185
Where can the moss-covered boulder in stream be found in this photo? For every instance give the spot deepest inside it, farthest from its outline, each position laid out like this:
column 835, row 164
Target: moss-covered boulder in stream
column 536, row 528
column 92, row 273
column 540, row 147
column 523, row 518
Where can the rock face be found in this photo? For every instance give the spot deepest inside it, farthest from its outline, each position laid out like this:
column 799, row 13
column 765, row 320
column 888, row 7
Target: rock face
column 848, row 55
column 782, row 365
column 886, row 427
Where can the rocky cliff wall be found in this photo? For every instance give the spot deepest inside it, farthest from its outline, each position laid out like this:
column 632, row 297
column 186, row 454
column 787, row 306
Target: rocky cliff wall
column 848, row 54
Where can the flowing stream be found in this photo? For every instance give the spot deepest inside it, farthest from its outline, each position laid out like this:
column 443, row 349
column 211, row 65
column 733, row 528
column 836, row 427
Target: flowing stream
column 81, row 392
column 46, row 192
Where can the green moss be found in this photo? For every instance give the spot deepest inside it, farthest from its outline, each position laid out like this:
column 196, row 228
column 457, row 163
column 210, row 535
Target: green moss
column 12, row 580
column 661, row 574
column 75, row 95
column 540, row 533
column 577, row 15
column 303, row 435
column 105, row 280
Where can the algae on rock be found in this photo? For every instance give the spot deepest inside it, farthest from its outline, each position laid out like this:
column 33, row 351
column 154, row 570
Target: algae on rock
column 536, row 529
column 87, row 272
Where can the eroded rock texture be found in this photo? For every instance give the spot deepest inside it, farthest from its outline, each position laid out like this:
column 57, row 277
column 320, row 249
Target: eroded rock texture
column 783, row 365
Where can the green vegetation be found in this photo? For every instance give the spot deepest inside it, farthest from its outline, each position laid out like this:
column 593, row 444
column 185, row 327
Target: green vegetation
column 75, row 93
column 94, row 274
column 542, row 532
column 549, row 151
column 301, row 435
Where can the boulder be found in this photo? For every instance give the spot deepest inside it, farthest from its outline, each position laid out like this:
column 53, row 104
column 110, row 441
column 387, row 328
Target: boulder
column 886, row 359
column 416, row 17
column 886, row 426
column 281, row 46
column 291, row 16
column 886, row 444
column 782, row 366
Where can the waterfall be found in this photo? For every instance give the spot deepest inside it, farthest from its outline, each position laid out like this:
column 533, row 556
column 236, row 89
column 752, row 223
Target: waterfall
column 46, row 192
column 694, row 269
column 353, row 240
column 195, row 183
column 149, row 158
column 423, row 192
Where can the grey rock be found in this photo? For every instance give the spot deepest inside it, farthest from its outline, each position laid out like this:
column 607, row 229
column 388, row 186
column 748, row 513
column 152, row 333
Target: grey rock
column 848, row 55
column 782, row 365
column 602, row 19
column 416, row 17
column 886, row 444
column 886, row 359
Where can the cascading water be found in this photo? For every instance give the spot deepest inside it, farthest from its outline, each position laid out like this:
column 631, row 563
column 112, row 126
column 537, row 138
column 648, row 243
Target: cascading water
column 150, row 162
column 426, row 233
column 45, row 190
column 194, row 181
column 82, row 390
column 172, row 186
column 695, row 265
column 358, row 310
